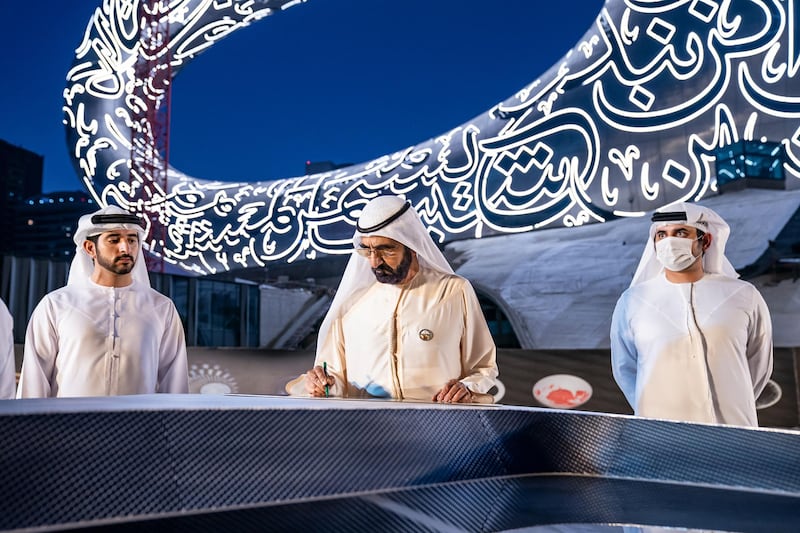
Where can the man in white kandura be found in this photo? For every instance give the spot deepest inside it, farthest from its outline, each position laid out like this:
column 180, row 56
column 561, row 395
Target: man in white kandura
column 107, row 332
column 689, row 340
column 402, row 325
column 8, row 367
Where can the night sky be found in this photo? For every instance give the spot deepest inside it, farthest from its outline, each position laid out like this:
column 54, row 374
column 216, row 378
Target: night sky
column 339, row 80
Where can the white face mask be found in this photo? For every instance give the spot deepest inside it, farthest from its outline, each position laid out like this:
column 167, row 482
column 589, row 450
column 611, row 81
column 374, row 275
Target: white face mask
column 675, row 253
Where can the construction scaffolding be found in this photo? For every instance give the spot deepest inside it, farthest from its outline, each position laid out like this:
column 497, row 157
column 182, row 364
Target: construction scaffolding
column 151, row 95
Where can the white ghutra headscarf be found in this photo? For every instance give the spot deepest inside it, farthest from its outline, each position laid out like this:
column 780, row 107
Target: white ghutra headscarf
column 384, row 216
column 106, row 219
column 696, row 216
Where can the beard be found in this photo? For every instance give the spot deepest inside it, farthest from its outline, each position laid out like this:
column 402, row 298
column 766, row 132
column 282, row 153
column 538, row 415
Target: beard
column 115, row 265
column 386, row 274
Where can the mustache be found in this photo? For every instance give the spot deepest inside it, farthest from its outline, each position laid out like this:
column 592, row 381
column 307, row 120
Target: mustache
column 126, row 256
column 383, row 269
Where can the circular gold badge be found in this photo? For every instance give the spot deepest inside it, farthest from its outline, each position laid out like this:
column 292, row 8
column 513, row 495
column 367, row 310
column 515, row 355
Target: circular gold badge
column 425, row 334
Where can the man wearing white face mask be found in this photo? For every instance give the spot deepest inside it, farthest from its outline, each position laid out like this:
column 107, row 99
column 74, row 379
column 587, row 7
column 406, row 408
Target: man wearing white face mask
column 689, row 340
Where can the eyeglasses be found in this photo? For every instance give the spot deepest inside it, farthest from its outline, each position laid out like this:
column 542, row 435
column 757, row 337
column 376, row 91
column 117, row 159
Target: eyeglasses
column 381, row 252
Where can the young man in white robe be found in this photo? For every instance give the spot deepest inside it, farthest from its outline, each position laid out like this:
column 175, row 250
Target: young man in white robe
column 689, row 340
column 402, row 325
column 8, row 367
column 107, row 332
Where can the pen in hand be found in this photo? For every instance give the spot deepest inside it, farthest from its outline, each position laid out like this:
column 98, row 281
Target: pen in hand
column 325, row 371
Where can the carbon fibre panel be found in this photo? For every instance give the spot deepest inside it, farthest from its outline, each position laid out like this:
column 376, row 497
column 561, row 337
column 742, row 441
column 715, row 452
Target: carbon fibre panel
column 284, row 464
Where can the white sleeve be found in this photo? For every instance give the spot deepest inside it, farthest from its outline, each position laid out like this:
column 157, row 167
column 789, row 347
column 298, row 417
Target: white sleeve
column 39, row 356
column 623, row 352
column 8, row 368
column 478, row 351
column 759, row 344
column 173, row 371
column 330, row 352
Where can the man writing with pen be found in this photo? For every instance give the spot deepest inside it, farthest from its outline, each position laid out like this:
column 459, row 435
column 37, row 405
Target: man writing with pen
column 402, row 324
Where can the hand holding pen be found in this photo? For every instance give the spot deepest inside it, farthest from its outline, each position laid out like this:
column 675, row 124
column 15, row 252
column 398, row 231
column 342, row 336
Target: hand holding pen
column 319, row 382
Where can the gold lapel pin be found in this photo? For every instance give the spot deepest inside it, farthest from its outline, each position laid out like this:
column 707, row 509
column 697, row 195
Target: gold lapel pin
column 425, row 334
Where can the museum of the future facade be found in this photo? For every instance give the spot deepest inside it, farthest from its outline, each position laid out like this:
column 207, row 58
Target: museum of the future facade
column 657, row 102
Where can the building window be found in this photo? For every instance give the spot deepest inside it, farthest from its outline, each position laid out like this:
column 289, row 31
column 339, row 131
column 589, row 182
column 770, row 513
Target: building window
column 750, row 164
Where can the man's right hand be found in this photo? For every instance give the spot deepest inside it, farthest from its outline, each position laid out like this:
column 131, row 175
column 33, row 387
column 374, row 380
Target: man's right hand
column 316, row 380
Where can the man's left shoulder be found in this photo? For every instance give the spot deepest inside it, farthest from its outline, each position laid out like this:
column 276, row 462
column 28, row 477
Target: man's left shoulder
column 452, row 284
column 738, row 286
column 734, row 282
column 448, row 278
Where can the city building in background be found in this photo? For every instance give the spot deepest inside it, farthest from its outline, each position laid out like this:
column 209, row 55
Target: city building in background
column 44, row 224
column 20, row 178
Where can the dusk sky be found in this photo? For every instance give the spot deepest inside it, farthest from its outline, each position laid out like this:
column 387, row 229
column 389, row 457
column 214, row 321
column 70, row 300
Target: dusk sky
column 339, row 80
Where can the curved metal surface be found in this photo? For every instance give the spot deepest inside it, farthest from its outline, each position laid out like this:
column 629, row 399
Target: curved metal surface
column 626, row 122
column 171, row 461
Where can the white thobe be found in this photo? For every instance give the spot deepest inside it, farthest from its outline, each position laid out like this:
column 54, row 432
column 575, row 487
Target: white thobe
column 700, row 352
column 407, row 341
column 103, row 341
column 8, row 367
